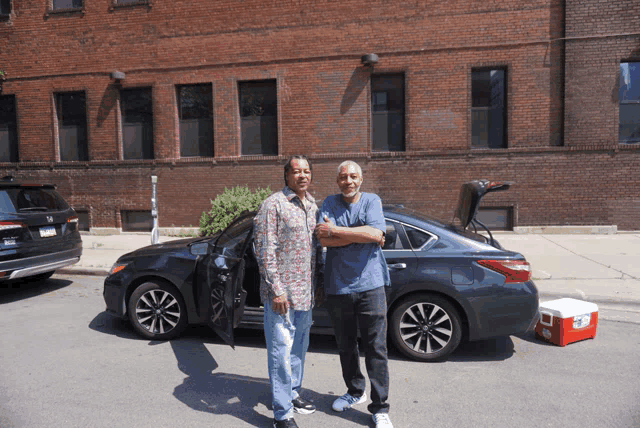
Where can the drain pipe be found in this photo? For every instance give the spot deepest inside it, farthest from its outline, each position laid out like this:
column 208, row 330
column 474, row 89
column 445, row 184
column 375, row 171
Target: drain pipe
column 154, row 209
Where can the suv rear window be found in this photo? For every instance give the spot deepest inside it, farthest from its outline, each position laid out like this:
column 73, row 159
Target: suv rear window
column 24, row 199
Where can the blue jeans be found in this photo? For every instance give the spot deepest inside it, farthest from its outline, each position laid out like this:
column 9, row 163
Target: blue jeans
column 368, row 310
column 287, row 338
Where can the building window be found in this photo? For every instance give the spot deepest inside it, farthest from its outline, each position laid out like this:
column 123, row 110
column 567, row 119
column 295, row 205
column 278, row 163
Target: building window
column 83, row 219
column 630, row 102
column 66, row 4
column 72, row 126
column 387, row 112
column 259, row 117
column 195, row 104
column 496, row 218
column 8, row 129
column 488, row 109
column 5, row 7
column 137, row 123
column 137, row 221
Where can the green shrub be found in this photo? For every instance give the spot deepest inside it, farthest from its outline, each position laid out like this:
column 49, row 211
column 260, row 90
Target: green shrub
column 228, row 205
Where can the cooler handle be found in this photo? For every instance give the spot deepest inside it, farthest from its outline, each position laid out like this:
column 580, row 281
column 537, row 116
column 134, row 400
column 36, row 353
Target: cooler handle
column 550, row 323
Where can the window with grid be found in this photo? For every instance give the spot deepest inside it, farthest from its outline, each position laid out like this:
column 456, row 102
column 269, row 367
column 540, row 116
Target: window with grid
column 8, row 129
column 488, row 108
column 259, row 117
column 72, row 126
column 387, row 112
column 629, row 102
column 137, row 123
column 195, row 105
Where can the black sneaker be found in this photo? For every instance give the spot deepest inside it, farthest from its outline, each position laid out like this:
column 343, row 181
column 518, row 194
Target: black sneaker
column 300, row 405
column 287, row 423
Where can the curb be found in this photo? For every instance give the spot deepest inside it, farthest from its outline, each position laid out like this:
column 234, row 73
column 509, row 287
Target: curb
column 83, row 271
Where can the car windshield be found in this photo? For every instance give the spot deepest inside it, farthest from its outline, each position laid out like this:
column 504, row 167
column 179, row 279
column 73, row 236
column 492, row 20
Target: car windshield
column 230, row 242
column 25, row 199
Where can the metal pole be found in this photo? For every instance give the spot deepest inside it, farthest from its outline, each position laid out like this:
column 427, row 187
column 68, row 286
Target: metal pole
column 154, row 209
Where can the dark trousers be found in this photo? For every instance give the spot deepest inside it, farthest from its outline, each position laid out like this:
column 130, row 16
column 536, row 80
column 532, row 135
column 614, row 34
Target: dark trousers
column 368, row 310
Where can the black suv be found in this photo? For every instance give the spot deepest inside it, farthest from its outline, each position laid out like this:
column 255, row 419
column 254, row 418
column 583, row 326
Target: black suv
column 38, row 231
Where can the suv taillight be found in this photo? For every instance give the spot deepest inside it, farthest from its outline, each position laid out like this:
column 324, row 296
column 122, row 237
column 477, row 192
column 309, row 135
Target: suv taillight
column 73, row 219
column 7, row 225
column 513, row 270
column 9, row 229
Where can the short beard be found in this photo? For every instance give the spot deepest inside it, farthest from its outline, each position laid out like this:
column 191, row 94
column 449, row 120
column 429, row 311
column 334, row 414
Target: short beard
column 352, row 194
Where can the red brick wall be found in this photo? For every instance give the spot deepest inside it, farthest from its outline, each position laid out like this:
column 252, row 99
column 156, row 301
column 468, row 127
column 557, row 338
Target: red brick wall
column 313, row 49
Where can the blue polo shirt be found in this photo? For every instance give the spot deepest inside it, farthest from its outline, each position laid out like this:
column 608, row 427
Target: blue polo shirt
column 354, row 267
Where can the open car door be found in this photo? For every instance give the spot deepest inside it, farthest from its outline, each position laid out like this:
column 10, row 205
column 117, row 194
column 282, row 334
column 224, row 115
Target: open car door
column 222, row 276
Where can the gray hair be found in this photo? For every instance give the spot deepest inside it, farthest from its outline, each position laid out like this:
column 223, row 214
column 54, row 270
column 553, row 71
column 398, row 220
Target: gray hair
column 347, row 163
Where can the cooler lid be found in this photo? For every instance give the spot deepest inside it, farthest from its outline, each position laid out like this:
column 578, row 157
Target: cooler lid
column 566, row 308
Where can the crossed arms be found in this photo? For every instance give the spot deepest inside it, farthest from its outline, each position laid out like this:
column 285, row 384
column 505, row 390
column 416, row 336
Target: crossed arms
column 331, row 235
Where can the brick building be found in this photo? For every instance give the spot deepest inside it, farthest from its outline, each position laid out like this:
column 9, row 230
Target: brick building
column 101, row 95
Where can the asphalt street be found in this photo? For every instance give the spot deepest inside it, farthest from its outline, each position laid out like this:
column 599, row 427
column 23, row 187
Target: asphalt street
column 65, row 363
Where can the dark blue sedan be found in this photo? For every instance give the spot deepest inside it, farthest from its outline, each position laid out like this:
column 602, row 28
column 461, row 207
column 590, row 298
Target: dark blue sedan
column 448, row 283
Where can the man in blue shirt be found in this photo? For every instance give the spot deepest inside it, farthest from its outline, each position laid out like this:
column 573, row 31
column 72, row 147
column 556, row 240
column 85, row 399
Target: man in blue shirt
column 351, row 225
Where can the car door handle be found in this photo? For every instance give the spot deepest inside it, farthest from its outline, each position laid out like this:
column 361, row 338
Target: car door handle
column 397, row 266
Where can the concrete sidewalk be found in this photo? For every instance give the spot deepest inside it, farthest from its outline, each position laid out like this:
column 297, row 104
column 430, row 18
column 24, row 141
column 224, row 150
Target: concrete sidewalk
column 602, row 268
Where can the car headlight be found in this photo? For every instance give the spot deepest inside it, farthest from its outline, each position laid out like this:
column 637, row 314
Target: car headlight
column 117, row 267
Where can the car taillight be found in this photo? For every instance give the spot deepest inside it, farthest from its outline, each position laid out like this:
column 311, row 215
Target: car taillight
column 513, row 270
column 7, row 225
column 73, row 219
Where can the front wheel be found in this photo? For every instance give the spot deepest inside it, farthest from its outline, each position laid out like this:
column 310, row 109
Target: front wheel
column 157, row 311
column 426, row 327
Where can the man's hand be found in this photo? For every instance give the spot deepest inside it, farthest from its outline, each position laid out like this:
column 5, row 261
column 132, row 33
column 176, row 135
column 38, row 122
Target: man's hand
column 323, row 230
column 381, row 242
column 280, row 304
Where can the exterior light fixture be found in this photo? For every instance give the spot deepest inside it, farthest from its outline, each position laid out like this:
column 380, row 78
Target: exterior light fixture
column 117, row 75
column 369, row 59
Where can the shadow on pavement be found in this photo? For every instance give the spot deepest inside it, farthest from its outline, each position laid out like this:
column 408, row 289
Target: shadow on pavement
column 244, row 397
column 106, row 323
column 494, row 349
column 20, row 289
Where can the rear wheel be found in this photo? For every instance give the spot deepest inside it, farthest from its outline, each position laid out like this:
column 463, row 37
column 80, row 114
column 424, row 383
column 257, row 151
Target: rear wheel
column 426, row 327
column 157, row 311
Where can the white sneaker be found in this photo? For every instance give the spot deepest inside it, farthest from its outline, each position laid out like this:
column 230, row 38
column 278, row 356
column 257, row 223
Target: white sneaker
column 382, row 420
column 347, row 401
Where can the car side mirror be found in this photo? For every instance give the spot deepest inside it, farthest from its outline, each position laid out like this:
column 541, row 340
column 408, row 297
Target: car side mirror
column 199, row 249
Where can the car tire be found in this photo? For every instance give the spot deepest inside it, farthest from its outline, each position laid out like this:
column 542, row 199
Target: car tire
column 156, row 311
column 426, row 327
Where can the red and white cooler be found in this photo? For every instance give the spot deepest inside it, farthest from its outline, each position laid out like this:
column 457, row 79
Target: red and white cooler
column 564, row 321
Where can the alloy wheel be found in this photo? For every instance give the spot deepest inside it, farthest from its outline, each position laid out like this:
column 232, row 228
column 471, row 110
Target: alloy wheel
column 426, row 328
column 158, row 311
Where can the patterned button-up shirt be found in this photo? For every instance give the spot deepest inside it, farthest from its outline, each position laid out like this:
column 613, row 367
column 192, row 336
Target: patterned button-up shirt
column 286, row 248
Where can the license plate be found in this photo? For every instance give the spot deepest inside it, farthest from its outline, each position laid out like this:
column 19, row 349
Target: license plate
column 47, row 231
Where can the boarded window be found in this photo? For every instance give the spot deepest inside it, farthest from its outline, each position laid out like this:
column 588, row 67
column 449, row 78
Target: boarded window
column 488, row 109
column 137, row 123
column 72, row 126
column 8, row 129
column 259, row 117
column 196, row 120
column 629, row 102
column 83, row 219
column 137, row 221
column 387, row 112
column 500, row 218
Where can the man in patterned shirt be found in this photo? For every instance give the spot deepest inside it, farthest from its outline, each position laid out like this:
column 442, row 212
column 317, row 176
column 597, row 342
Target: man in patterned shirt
column 287, row 254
